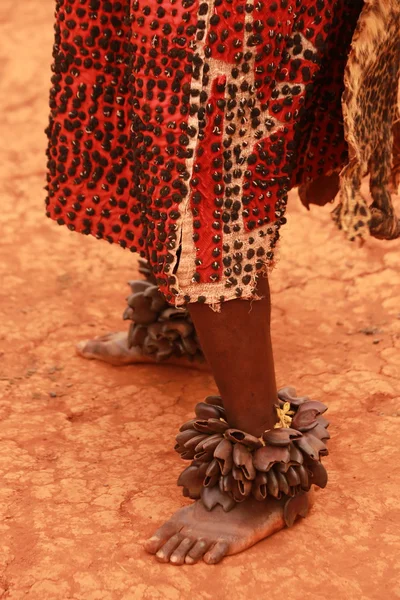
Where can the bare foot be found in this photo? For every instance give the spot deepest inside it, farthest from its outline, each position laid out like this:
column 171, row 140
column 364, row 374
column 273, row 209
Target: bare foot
column 193, row 533
column 113, row 348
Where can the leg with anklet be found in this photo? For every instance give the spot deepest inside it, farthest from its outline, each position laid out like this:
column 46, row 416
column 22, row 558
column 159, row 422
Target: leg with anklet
column 254, row 451
column 158, row 333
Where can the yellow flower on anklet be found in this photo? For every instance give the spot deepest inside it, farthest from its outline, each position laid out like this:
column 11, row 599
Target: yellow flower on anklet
column 284, row 416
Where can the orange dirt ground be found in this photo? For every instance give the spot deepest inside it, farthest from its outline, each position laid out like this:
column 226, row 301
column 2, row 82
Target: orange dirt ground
column 86, row 455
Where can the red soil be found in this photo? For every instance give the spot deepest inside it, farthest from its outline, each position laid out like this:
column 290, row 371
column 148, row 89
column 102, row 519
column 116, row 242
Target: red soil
column 79, row 486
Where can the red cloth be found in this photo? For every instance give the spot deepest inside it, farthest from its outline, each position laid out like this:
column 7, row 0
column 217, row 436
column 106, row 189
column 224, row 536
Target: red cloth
column 165, row 112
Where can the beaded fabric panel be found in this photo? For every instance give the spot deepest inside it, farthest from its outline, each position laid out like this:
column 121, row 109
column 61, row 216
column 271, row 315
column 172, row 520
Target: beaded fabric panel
column 178, row 126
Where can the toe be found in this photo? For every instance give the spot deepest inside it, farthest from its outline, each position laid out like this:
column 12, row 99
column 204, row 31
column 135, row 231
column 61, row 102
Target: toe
column 162, row 535
column 216, row 553
column 179, row 554
column 96, row 345
column 197, row 552
column 91, row 348
column 164, row 553
column 81, row 347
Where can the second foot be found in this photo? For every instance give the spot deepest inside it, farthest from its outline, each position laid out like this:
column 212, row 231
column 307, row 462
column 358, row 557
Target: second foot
column 113, row 349
column 194, row 533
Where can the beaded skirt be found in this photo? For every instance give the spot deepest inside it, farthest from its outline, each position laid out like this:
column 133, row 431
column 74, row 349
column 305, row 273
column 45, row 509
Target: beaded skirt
column 178, row 127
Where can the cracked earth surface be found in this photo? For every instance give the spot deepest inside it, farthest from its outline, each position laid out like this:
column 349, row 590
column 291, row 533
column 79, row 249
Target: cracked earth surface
column 79, row 487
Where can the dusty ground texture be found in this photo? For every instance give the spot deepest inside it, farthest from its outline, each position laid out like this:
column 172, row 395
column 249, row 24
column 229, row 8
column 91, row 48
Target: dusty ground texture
column 86, row 460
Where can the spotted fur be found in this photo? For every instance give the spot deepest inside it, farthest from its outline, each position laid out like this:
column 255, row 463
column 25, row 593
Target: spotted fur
column 370, row 111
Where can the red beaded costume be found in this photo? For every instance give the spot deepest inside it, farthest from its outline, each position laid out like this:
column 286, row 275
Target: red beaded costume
column 178, row 127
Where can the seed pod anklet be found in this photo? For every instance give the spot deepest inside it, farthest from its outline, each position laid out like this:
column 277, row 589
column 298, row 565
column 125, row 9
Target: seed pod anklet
column 229, row 466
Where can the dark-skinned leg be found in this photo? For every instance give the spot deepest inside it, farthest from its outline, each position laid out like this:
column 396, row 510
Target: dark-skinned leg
column 237, row 345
